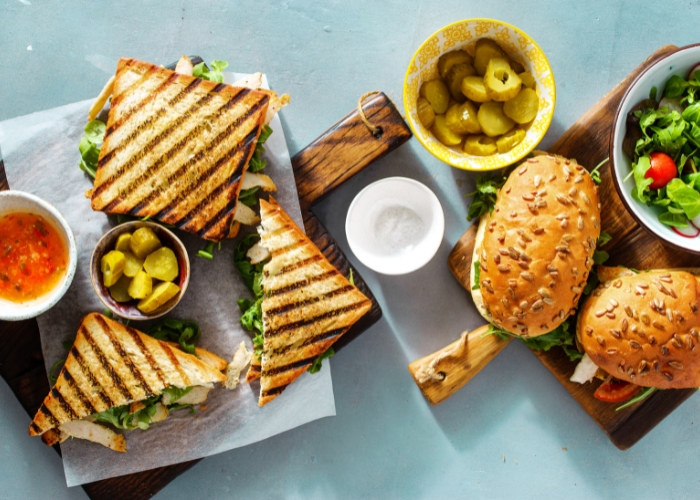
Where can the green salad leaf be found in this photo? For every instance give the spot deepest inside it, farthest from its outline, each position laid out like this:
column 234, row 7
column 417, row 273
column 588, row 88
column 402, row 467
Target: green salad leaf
column 252, row 275
column 121, row 418
column 247, row 196
column 562, row 336
column 176, row 393
column 184, row 332
column 214, row 73
column 318, row 362
column 484, row 196
column 90, row 145
column 477, row 275
column 646, row 392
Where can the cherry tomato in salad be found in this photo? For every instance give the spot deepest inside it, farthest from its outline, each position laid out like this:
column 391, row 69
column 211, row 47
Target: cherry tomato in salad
column 662, row 171
column 615, row 391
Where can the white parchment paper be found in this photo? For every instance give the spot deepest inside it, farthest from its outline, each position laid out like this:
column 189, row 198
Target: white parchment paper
column 41, row 157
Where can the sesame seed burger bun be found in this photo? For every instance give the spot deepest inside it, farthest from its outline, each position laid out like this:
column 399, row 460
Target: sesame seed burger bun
column 644, row 328
column 535, row 249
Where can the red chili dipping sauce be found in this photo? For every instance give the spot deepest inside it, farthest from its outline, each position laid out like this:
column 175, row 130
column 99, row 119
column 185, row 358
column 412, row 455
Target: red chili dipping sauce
column 33, row 257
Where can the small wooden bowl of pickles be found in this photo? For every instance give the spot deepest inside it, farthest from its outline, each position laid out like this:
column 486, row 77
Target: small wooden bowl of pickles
column 479, row 94
column 139, row 270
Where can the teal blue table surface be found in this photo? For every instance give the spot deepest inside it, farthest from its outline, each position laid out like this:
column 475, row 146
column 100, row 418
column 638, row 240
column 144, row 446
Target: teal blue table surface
column 513, row 432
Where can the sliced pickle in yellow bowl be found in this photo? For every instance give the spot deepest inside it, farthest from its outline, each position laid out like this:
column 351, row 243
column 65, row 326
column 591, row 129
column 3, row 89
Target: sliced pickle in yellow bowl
column 509, row 140
column 141, row 285
column 523, row 107
column 486, row 49
column 461, row 119
column 443, row 133
column 492, row 120
column 501, row 82
column 473, row 88
column 112, row 266
column 133, row 264
column 162, row 264
column 426, row 114
column 449, row 59
column 480, row 145
column 123, row 242
column 527, row 79
column 120, row 290
column 437, row 94
column 454, row 78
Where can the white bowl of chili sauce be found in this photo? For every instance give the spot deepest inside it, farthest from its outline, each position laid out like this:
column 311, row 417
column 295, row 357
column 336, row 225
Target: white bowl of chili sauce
column 37, row 256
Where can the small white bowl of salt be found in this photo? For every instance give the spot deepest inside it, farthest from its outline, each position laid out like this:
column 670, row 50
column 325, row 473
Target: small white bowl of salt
column 395, row 225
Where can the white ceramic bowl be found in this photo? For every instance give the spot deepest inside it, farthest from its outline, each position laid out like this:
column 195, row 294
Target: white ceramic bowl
column 18, row 201
column 395, row 225
column 676, row 63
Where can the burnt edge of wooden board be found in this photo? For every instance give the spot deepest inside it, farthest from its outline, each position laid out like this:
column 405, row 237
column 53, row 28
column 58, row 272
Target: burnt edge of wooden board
column 21, row 359
column 631, row 245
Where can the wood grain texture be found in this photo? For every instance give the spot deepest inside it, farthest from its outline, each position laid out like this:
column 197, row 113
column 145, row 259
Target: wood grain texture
column 347, row 148
column 337, row 155
column 453, row 366
column 588, row 140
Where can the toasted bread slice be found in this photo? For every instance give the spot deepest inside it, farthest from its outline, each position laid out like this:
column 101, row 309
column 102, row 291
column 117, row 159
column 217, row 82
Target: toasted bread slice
column 176, row 148
column 111, row 365
column 307, row 303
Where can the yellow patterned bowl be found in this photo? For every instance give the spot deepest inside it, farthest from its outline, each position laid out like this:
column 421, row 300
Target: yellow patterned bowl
column 463, row 35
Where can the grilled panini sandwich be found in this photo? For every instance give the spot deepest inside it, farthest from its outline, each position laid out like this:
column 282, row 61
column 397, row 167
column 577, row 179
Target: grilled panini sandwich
column 113, row 367
column 307, row 304
column 176, row 148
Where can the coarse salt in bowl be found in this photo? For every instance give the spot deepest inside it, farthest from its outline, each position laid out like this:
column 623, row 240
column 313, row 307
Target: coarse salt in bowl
column 395, row 225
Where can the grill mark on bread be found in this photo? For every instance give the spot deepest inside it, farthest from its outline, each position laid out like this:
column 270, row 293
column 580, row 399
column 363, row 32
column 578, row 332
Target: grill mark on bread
column 136, row 83
column 305, row 322
column 299, row 265
column 91, row 377
column 125, row 358
column 336, row 332
column 173, row 359
column 116, row 379
column 47, row 413
column 84, row 400
column 182, row 170
column 35, row 429
column 255, row 368
column 152, row 144
column 125, row 194
column 277, row 311
column 291, row 366
column 303, row 283
column 138, row 106
column 276, row 391
column 291, row 246
column 147, row 354
column 63, row 404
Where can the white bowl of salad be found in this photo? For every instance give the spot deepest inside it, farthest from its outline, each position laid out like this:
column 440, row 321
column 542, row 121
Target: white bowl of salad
column 655, row 148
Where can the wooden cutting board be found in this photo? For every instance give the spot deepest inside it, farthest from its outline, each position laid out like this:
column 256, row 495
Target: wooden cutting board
column 588, row 141
column 341, row 152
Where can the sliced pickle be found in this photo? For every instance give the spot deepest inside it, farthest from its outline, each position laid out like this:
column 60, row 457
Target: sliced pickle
column 112, row 266
column 449, row 59
column 133, row 264
column 486, row 49
column 461, row 119
column 527, row 79
column 492, row 120
column 437, row 94
column 523, row 107
column 473, row 87
column 443, row 133
column 426, row 114
column 141, row 285
column 123, row 242
column 454, row 78
column 143, row 242
column 480, row 145
column 162, row 264
column 516, row 66
column 509, row 140
column 501, row 82
column 162, row 293
column 120, row 290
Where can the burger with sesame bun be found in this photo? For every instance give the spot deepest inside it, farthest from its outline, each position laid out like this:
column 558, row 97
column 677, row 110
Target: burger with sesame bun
column 639, row 331
column 534, row 250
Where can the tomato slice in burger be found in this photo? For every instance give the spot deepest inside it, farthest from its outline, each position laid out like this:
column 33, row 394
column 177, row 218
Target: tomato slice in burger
column 615, row 391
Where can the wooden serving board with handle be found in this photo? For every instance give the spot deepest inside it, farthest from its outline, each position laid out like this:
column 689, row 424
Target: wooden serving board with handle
column 588, row 141
column 338, row 154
